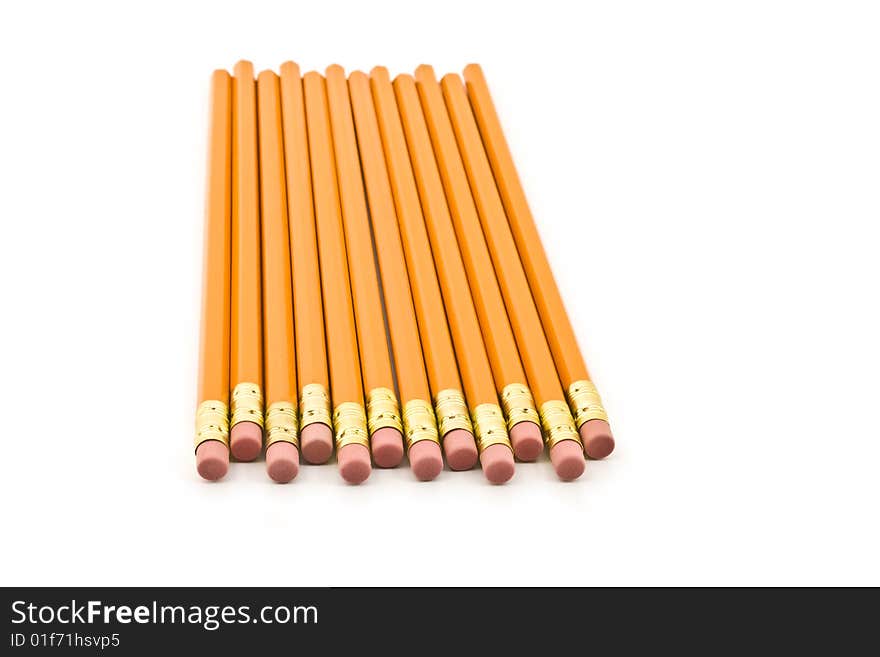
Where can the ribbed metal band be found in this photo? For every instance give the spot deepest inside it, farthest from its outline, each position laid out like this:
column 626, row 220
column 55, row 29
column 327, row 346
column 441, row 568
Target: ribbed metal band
column 350, row 422
column 281, row 424
column 557, row 423
column 247, row 404
column 585, row 403
column 489, row 426
column 212, row 422
column 419, row 423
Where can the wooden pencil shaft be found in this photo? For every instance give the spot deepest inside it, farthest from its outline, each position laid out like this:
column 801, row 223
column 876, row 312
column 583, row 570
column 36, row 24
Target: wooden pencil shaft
column 557, row 325
column 278, row 336
column 494, row 324
column 428, row 301
column 375, row 358
column 473, row 360
column 342, row 348
column 402, row 325
column 214, row 344
column 532, row 343
column 246, row 363
column 311, row 349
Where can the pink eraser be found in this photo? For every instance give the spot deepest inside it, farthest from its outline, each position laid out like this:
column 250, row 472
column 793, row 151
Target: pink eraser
column 212, row 460
column 282, row 462
column 497, row 462
column 354, row 463
column 425, row 460
column 597, row 439
column 387, row 446
column 567, row 458
column 525, row 437
column 316, row 443
column 246, row 441
column 460, row 449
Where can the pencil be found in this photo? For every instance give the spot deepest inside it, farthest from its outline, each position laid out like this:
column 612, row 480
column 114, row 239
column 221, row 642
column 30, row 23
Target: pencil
column 315, row 421
column 560, row 433
column 246, row 361
column 496, row 456
column 453, row 419
column 583, row 398
column 523, row 422
column 282, row 436
column 346, row 387
column 212, row 416
column 420, row 428
column 383, row 410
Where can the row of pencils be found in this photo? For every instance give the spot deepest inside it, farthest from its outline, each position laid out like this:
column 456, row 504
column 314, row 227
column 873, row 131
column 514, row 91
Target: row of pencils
column 374, row 285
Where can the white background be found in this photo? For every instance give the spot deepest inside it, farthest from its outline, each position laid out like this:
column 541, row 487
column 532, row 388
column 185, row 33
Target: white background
column 705, row 177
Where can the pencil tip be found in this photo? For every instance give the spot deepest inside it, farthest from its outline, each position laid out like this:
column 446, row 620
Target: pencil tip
column 426, row 71
column 244, row 67
column 334, row 69
column 379, row 72
column 289, row 68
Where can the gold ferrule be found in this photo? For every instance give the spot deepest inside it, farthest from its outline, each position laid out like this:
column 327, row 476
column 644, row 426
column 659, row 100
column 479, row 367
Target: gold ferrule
column 418, row 422
column 350, row 422
column 452, row 412
column 558, row 423
column 489, row 426
column 212, row 422
column 518, row 405
column 383, row 410
column 585, row 402
column 281, row 424
column 314, row 406
column 247, row 404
